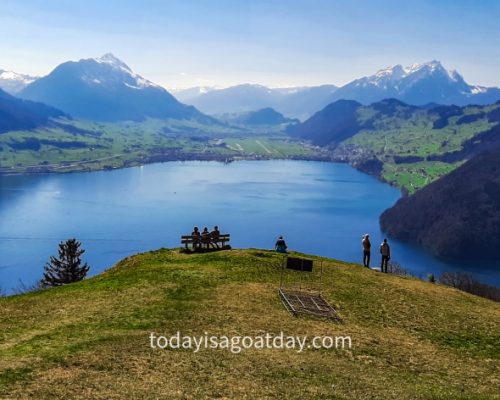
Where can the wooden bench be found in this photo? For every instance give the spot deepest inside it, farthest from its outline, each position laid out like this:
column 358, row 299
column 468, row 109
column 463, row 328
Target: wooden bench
column 188, row 240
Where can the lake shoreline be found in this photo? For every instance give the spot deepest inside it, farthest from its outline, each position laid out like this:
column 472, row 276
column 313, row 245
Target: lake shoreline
column 154, row 159
column 81, row 166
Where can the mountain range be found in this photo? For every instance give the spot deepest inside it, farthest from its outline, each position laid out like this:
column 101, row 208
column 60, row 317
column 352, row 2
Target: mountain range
column 418, row 84
column 296, row 102
column 106, row 89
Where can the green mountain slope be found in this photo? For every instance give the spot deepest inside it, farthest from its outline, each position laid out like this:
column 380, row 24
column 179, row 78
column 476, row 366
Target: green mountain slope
column 457, row 216
column 405, row 145
column 410, row 339
column 262, row 117
column 23, row 114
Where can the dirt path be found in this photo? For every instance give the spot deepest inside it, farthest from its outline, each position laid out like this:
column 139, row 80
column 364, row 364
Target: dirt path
column 264, row 147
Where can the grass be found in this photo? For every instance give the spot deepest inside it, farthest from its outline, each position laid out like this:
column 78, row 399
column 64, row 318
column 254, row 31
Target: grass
column 403, row 144
column 122, row 144
column 418, row 139
column 414, row 176
column 411, row 339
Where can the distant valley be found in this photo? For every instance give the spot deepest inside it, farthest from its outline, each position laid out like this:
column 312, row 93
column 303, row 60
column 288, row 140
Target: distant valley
column 294, row 102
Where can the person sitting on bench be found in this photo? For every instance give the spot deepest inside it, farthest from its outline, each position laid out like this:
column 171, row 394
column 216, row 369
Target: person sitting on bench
column 196, row 237
column 205, row 237
column 280, row 245
column 214, row 237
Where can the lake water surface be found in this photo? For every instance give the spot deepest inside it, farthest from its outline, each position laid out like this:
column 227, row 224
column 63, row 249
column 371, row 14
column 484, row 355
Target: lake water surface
column 320, row 208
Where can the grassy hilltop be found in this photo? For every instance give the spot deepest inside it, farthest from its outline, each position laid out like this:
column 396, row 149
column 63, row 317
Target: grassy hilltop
column 411, row 339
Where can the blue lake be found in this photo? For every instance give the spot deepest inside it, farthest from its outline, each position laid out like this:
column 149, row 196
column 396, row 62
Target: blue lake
column 320, row 208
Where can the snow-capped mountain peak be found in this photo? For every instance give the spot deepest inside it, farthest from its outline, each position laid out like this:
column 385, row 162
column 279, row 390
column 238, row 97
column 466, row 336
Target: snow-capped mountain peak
column 14, row 76
column 384, row 77
column 395, row 72
column 106, row 89
column 110, row 71
column 397, row 77
column 423, row 83
column 430, row 66
column 13, row 82
column 113, row 61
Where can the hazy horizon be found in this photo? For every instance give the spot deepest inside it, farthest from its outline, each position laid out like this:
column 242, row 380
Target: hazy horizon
column 275, row 44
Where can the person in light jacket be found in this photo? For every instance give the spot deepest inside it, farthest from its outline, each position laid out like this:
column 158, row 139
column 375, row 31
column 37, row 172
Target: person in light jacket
column 385, row 251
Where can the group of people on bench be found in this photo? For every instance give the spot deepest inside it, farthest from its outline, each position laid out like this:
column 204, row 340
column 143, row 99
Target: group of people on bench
column 205, row 238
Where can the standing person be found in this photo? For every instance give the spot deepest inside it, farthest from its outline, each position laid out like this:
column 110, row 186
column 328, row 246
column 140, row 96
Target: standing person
column 385, row 251
column 280, row 245
column 366, row 250
column 196, row 238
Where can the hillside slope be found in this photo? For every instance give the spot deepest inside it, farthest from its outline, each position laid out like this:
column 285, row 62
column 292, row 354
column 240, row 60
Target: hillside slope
column 264, row 116
column 456, row 216
column 405, row 145
column 17, row 114
column 411, row 339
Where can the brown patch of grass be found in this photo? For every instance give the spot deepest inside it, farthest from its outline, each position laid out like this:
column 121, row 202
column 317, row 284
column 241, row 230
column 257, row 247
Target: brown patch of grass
column 96, row 343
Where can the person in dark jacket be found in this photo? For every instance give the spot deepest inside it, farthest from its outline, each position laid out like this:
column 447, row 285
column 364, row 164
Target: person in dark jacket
column 366, row 250
column 280, row 245
column 196, row 237
column 214, row 236
column 385, row 251
column 205, row 237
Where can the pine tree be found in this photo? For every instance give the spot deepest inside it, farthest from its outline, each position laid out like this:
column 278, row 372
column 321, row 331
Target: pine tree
column 67, row 268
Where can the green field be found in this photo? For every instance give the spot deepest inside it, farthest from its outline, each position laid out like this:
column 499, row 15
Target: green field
column 90, row 340
column 403, row 144
column 113, row 145
column 413, row 176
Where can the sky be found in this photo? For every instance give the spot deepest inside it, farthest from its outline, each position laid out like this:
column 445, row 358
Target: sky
column 277, row 43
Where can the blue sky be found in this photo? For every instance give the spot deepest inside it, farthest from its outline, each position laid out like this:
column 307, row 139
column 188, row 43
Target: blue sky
column 277, row 43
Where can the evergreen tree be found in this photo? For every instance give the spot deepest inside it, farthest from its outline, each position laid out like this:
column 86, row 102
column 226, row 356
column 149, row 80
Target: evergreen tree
column 67, row 268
